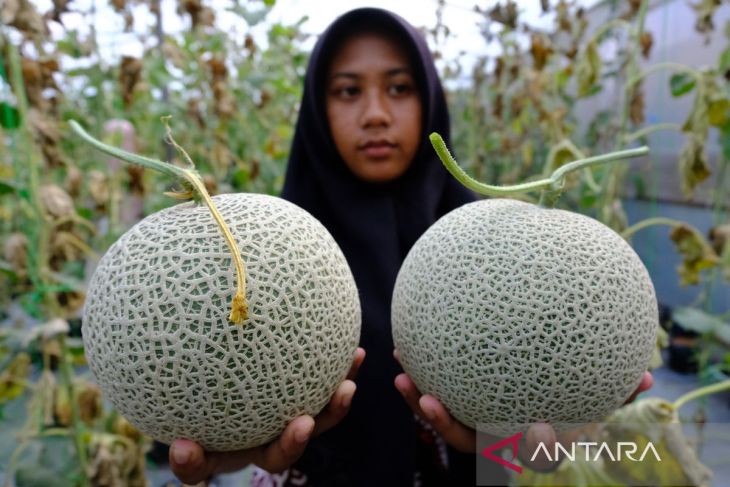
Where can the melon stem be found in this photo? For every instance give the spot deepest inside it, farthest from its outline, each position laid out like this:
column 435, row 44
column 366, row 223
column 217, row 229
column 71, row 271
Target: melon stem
column 239, row 306
column 702, row 391
column 551, row 186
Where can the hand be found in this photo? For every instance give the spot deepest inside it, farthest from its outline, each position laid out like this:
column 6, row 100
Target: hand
column 463, row 438
column 191, row 464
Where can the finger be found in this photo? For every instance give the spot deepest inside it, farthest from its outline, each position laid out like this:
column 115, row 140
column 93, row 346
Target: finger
column 280, row 454
column 410, row 393
column 646, row 382
column 188, row 462
column 539, row 433
column 336, row 409
column 396, row 355
column 356, row 363
column 453, row 432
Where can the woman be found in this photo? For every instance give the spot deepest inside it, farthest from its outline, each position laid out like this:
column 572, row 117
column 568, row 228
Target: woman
column 361, row 163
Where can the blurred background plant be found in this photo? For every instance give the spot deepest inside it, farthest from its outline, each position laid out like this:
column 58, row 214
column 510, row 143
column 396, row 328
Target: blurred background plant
column 544, row 98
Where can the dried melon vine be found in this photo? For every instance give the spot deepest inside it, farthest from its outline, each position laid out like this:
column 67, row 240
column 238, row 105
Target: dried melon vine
column 195, row 186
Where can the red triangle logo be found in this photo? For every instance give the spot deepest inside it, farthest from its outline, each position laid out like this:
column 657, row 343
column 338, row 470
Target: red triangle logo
column 512, row 440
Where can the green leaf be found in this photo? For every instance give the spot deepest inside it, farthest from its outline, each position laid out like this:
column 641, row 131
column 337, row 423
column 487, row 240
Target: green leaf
column 725, row 140
column 9, row 116
column 7, row 187
column 681, row 84
column 696, row 320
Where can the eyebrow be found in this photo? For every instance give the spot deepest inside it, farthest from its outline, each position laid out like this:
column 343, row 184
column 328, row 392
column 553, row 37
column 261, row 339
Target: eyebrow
column 390, row 72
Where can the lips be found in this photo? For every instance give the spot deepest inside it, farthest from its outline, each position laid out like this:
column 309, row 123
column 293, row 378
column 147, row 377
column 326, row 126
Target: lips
column 377, row 149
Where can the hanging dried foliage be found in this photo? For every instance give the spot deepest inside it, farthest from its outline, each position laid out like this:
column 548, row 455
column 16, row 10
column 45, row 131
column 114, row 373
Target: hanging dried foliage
column 200, row 15
column 224, row 102
column 505, row 14
column 697, row 255
column 47, row 136
column 646, row 41
column 130, row 73
column 705, row 10
column 540, row 50
column 22, row 15
column 693, row 167
column 636, row 105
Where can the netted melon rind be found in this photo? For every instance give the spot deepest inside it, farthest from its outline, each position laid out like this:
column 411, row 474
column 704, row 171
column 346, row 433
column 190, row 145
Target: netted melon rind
column 159, row 344
column 511, row 314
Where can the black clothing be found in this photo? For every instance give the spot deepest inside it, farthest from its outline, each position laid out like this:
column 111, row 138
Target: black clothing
column 375, row 225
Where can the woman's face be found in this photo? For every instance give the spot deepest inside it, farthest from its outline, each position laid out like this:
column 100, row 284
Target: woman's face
column 373, row 108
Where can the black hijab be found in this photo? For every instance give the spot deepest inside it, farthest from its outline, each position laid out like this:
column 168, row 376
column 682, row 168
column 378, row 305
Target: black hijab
column 375, row 225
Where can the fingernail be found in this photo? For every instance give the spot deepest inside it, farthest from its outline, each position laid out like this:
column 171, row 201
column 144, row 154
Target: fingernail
column 180, row 456
column 398, row 385
column 303, row 435
column 429, row 413
column 543, row 434
column 346, row 401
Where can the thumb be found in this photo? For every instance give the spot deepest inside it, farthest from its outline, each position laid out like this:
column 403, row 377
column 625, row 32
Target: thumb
column 188, row 462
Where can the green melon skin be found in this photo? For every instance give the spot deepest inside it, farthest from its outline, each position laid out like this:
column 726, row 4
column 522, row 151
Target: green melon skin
column 512, row 314
column 158, row 340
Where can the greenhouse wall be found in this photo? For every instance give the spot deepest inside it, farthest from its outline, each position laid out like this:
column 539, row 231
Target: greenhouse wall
column 653, row 185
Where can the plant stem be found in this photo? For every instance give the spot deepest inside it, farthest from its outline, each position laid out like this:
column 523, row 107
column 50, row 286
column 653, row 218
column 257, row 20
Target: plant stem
column 553, row 183
column 608, row 26
column 666, row 66
column 702, row 391
column 568, row 145
column 239, row 307
column 650, row 130
column 40, row 268
column 66, row 372
column 627, row 233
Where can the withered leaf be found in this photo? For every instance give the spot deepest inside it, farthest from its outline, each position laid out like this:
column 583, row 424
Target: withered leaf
column 505, row 14
column 89, row 401
column 705, row 9
column 218, row 69
column 23, row 15
column 47, row 135
column 720, row 239
column 719, row 236
column 15, row 251
column 588, row 69
column 636, row 106
column 697, row 255
column 717, row 112
column 59, row 7
column 14, row 377
column 174, row 54
column 56, row 202
column 98, row 186
column 130, row 73
column 693, row 167
column 540, row 50
column 646, row 41
column 563, row 16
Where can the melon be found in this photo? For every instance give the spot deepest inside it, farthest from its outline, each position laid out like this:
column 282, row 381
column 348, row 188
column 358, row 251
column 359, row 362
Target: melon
column 159, row 342
column 512, row 314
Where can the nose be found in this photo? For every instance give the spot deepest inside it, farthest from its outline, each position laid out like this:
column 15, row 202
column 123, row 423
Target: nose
column 375, row 112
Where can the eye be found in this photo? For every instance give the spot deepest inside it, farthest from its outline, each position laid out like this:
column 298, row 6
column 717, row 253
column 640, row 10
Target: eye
column 400, row 89
column 346, row 92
